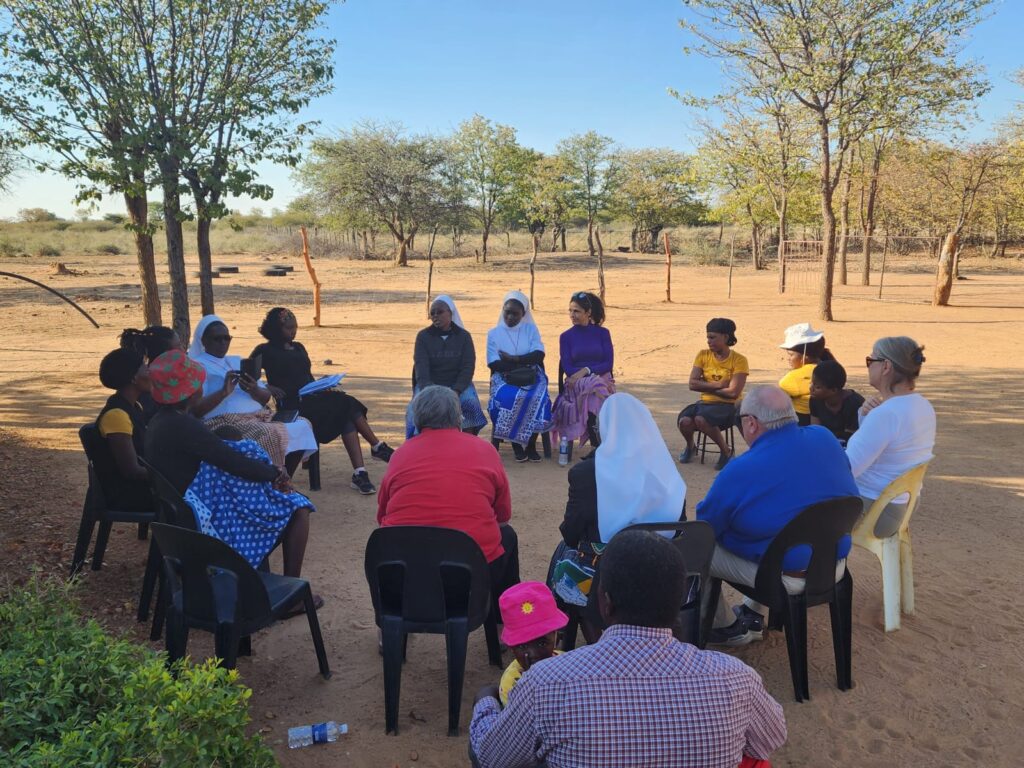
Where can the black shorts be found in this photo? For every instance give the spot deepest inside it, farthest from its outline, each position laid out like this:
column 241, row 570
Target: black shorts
column 721, row 415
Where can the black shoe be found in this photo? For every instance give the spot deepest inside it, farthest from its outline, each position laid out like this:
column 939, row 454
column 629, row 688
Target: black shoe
column 532, row 455
column 753, row 620
column 382, row 452
column 520, row 452
column 736, row 634
column 686, row 456
column 723, row 460
column 361, row 482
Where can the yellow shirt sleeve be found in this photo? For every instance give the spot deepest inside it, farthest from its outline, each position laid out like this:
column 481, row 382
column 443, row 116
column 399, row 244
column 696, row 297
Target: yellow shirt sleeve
column 115, row 422
column 797, row 384
column 509, row 678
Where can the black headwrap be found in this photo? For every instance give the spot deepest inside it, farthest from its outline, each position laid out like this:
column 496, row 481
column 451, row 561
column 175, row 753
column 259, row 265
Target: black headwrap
column 723, row 325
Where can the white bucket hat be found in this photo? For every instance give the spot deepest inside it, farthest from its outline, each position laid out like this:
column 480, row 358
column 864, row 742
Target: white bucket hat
column 800, row 334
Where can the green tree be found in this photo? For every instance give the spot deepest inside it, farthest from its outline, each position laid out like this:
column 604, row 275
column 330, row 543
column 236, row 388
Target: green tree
column 72, row 85
column 490, row 159
column 851, row 64
column 585, row 159
column 35, row 215
column 652, row 189
column 378, row 172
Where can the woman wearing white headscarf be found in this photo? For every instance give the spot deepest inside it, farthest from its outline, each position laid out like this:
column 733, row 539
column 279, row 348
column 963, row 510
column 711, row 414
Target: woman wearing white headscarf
column 444, row 355
column 235, row 399
column 519, row 406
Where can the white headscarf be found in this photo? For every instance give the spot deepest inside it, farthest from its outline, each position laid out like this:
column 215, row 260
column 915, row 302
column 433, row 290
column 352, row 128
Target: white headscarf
column 195, row 349
column 517, row 340
column 456, row 317
column 637, row 480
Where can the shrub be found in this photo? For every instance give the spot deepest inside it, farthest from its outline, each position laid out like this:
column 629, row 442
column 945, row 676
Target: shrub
column 48, row 250
column 75, row 696
column 110, row 248
column 8, row 248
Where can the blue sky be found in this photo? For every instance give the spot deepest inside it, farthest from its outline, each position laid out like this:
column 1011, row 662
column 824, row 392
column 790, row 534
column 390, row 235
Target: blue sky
column 549, row 69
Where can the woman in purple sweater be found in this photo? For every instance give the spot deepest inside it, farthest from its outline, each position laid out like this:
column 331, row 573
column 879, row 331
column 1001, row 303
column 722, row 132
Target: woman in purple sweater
column 586, row 357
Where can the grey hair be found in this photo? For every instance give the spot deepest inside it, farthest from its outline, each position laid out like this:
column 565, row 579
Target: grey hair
column 905, row 354
column 436, row 407
column 770, row 405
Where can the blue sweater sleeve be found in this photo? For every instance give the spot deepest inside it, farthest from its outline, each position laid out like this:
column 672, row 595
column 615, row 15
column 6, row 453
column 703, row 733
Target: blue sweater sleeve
column 717, row 506
column 607, row 353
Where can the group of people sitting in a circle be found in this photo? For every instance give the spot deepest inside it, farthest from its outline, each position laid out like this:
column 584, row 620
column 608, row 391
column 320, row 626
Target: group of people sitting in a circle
column 203, row 420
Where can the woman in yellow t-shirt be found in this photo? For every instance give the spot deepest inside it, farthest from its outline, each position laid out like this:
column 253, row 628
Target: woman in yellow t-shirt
column 719, row 374
column 805, row 348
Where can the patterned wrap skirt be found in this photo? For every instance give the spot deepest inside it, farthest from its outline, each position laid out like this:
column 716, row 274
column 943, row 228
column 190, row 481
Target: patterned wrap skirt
column 519, row 412
column 271, row 435
column 247, row 515
column 472, row 412
column 580, row 399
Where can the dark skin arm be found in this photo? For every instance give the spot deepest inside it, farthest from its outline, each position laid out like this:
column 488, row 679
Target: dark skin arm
column 730, row 389
column 123, row 449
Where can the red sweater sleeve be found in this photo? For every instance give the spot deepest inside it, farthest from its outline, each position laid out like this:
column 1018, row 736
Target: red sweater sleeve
column 502, row 497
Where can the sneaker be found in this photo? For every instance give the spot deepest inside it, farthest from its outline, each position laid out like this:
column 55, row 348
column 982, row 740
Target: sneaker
column 723, row 460
column 753, row 620
column 382, row 452
column 532, row 455
column 736, row 634
column 361, row 482
column 686, row 456
column 519, row 452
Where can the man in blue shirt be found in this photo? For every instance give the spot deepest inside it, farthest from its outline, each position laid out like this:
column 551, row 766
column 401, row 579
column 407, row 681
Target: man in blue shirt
column 787, row 469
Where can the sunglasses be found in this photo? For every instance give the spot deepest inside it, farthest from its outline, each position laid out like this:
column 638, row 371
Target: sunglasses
column 219, row 337
column 437, row 312
column 869, row 360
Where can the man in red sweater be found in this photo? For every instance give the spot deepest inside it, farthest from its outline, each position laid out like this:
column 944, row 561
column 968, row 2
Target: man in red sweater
column 450, row 479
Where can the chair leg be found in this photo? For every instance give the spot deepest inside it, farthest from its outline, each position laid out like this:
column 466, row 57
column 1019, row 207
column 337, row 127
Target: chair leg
column 143, row 531
column 84, row 536
column 491, row 635
column 545, row 441
column 841, row 611
column 314, row 631
column 313, row 465
column 160, row 611
column 891, row 582
column 245, row 646
column 456, row 641
column 176, row 639
column 714, row 591
column 702, row 445
column 149, row 581
column 101, row 544
column 391, row 637
column 225, row 644
column 796, row 644
column 906, row 573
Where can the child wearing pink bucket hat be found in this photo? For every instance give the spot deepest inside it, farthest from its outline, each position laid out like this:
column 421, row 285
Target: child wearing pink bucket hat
column 532, row 621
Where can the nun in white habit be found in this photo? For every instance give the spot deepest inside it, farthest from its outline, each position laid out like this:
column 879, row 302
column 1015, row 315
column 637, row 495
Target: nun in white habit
column 519, row 405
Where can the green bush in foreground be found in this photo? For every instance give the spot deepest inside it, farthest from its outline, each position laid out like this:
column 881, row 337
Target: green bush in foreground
column 71, row 695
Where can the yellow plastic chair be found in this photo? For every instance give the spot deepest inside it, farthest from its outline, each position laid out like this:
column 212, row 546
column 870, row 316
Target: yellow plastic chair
column 894, row 552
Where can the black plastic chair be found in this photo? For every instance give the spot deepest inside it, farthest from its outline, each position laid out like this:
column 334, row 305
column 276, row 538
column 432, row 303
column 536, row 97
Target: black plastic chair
column 695, row 540
column 821, row 526
column 214, row 588
column 428, row 580
column 97, row 510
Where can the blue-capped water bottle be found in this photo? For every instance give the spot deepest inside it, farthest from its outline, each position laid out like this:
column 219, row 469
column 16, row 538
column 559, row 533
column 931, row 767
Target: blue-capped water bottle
column 321, row 733
column 563, row 451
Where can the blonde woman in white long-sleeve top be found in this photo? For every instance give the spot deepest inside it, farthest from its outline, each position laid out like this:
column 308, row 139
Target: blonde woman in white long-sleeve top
column 897, row 426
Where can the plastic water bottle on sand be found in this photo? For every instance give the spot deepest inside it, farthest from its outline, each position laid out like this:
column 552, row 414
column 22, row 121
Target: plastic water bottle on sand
column 321, row 733
column 563, row 451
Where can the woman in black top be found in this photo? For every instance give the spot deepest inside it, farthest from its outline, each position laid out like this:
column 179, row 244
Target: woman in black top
column 332, row 412
column 123, row 429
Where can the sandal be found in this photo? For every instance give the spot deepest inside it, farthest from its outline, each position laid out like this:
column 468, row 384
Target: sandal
column 299, row 609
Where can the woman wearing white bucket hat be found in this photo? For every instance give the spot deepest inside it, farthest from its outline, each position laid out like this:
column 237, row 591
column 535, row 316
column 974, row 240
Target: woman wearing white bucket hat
column 806, row 348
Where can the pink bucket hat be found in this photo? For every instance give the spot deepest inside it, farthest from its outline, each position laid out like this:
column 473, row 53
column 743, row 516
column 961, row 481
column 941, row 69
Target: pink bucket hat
column 528, row 610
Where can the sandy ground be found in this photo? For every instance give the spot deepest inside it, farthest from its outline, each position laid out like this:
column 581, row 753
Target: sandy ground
column 945, row 690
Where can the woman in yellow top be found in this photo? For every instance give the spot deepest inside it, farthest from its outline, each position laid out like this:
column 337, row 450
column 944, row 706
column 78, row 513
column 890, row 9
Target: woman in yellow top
column 805, row 348
column 719, row 374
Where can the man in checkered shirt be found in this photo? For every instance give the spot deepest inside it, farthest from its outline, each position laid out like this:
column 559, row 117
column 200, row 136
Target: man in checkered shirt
column 637, row 697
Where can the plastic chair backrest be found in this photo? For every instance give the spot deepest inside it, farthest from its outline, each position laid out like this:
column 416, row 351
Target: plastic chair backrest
column 909, row 482
column 425, row 575
column 695, row 541
column 820, row 526
column 92, row 441
column 212, row 574
column 92, row 444
column 173, row 509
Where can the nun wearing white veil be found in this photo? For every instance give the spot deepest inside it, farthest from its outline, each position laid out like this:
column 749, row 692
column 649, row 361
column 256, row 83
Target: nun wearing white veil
column 519, row 405
column 444, row 355
column 631, row 479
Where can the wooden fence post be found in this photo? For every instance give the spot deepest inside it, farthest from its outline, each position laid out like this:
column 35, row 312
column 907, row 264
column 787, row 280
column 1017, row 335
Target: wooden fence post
column 732, row 256
column 782, row 267
column 881, row 275
column 430, row 265
column 312, row 276
column 668, row 271
column 600, row 263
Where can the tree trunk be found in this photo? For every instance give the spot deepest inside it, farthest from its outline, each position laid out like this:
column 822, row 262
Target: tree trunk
column 844, row 222
column 205, row 265
column 486, row 235
column 654, row 232
column 828, row 230
column 869, row 220
column 590, row 240
column 430, row 265
column 175, row 248
column 600, row 263
column 721, row 230
column 944, row 275
column 138, row 215
column 562, row 234
column 533, row 264
column 402, row 257
column 632, row 240
column 783, row 214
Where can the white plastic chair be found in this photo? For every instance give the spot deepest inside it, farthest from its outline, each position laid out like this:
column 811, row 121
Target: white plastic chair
column 894, row 552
